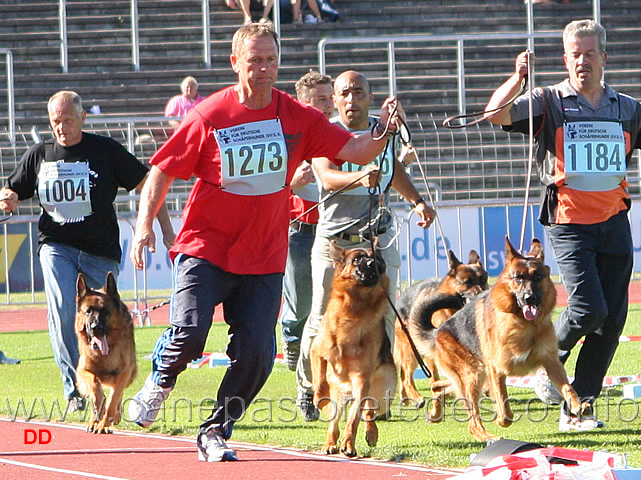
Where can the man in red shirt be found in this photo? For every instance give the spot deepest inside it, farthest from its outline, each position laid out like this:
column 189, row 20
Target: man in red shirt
column 243, row 145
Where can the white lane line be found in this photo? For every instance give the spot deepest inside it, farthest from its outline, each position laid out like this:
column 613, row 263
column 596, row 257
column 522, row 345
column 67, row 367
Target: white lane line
column 59, row 470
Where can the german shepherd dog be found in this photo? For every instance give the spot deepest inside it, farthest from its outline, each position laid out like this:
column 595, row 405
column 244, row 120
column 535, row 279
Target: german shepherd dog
column 105, row 332
column 504, row 331
column 351, row 355
column 464, row 280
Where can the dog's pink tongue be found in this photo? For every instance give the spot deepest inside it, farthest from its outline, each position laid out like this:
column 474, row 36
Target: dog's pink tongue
column 101, row 343
column 530, row 312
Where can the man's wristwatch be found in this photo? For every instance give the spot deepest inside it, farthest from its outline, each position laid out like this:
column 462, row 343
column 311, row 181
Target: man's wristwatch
column 416, row 203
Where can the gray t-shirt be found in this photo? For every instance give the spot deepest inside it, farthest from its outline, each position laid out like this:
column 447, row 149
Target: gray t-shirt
column 350, row 210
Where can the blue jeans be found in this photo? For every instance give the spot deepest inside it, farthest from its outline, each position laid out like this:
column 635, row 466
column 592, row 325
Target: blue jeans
column 60, row 267
column 250, row 304
column 595, row 262
column 297, row 286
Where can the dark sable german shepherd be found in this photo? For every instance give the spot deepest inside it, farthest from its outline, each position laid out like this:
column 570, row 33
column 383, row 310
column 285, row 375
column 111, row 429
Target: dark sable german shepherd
column 105, row 332
column 351, row 357
column 464, row 280
column 504, row 331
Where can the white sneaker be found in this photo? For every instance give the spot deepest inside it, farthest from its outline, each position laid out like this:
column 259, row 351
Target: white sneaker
column 581, row 423
column 144, row 407
column 545, row 389
column 212, row 447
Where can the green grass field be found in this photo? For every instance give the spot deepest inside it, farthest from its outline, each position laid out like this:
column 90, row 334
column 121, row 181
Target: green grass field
column 33, row 389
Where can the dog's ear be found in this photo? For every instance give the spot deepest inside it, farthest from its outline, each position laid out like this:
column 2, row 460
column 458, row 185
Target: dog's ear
column 510, row 251
column 474, row 258
column 111, row 287
column 336, row 253
column 81, row 286
column 452, row 261
column 536, row 249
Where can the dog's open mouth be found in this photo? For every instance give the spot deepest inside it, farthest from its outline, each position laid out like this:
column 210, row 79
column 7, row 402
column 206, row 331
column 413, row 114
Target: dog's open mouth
column 100, row 343
column 530, row 312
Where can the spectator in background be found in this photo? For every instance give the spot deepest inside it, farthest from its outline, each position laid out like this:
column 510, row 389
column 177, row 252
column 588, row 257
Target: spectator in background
column 291, row 11
column 77, row 232
column 322, row 10
column 179, row 105
column 246, row 8
column 4, row 360
column 298, row 7
column 316, row 90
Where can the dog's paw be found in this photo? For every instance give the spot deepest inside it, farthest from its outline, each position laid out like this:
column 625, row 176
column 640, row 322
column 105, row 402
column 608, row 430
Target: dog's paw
column 329, row 449
column 503, row 421
column 584, row 410
column 435, row 415
column 348, row 449
column 104, row 426
column 321, row 401
column 371, row 433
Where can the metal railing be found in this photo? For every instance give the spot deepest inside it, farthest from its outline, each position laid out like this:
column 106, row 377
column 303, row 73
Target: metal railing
column 135, row 32
column 129, row 125
column 11, row 107
column 391, row 42
column 62, row 31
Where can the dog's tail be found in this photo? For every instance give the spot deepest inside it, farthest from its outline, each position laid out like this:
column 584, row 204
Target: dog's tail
column 420, row 318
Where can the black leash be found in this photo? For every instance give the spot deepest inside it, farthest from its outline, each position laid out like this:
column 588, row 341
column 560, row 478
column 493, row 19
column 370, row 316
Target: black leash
column 406, row 331
column 328, row 196
column 143, row 315
column 447, row 123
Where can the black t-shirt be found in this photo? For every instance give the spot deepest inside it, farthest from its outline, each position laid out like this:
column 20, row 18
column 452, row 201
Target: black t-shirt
column 110, row 166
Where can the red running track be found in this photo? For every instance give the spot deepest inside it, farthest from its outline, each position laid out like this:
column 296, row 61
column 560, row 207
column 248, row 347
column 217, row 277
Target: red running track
column 72, row 453
column 36, row 318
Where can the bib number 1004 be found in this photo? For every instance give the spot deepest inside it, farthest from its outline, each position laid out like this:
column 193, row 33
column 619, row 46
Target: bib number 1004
column 598, row 157
column 254, row 159
column 58, row 191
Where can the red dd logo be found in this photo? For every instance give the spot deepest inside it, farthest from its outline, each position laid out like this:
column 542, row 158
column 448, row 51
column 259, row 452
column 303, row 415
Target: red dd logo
column 42, row 436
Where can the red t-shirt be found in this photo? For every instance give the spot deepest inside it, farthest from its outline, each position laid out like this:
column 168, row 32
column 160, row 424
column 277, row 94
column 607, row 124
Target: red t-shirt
column 299, row 205
column 242, row 234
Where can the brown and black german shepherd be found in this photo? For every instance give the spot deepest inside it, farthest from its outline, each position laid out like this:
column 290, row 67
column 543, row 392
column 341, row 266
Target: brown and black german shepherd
column 351, row 356
column 504, row 331
column 105, row 332
column 464, row 280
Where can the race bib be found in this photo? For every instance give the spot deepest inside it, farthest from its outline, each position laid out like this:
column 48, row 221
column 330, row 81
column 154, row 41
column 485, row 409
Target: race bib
column 253, row 158
column 63, row 189
column 594, row 155
column 383, row 160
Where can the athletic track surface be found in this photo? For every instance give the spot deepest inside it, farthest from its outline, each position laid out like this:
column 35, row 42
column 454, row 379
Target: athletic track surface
column 73, row 453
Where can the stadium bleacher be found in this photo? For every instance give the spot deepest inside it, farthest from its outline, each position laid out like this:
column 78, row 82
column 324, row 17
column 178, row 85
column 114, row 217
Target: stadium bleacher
column 170, row 32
